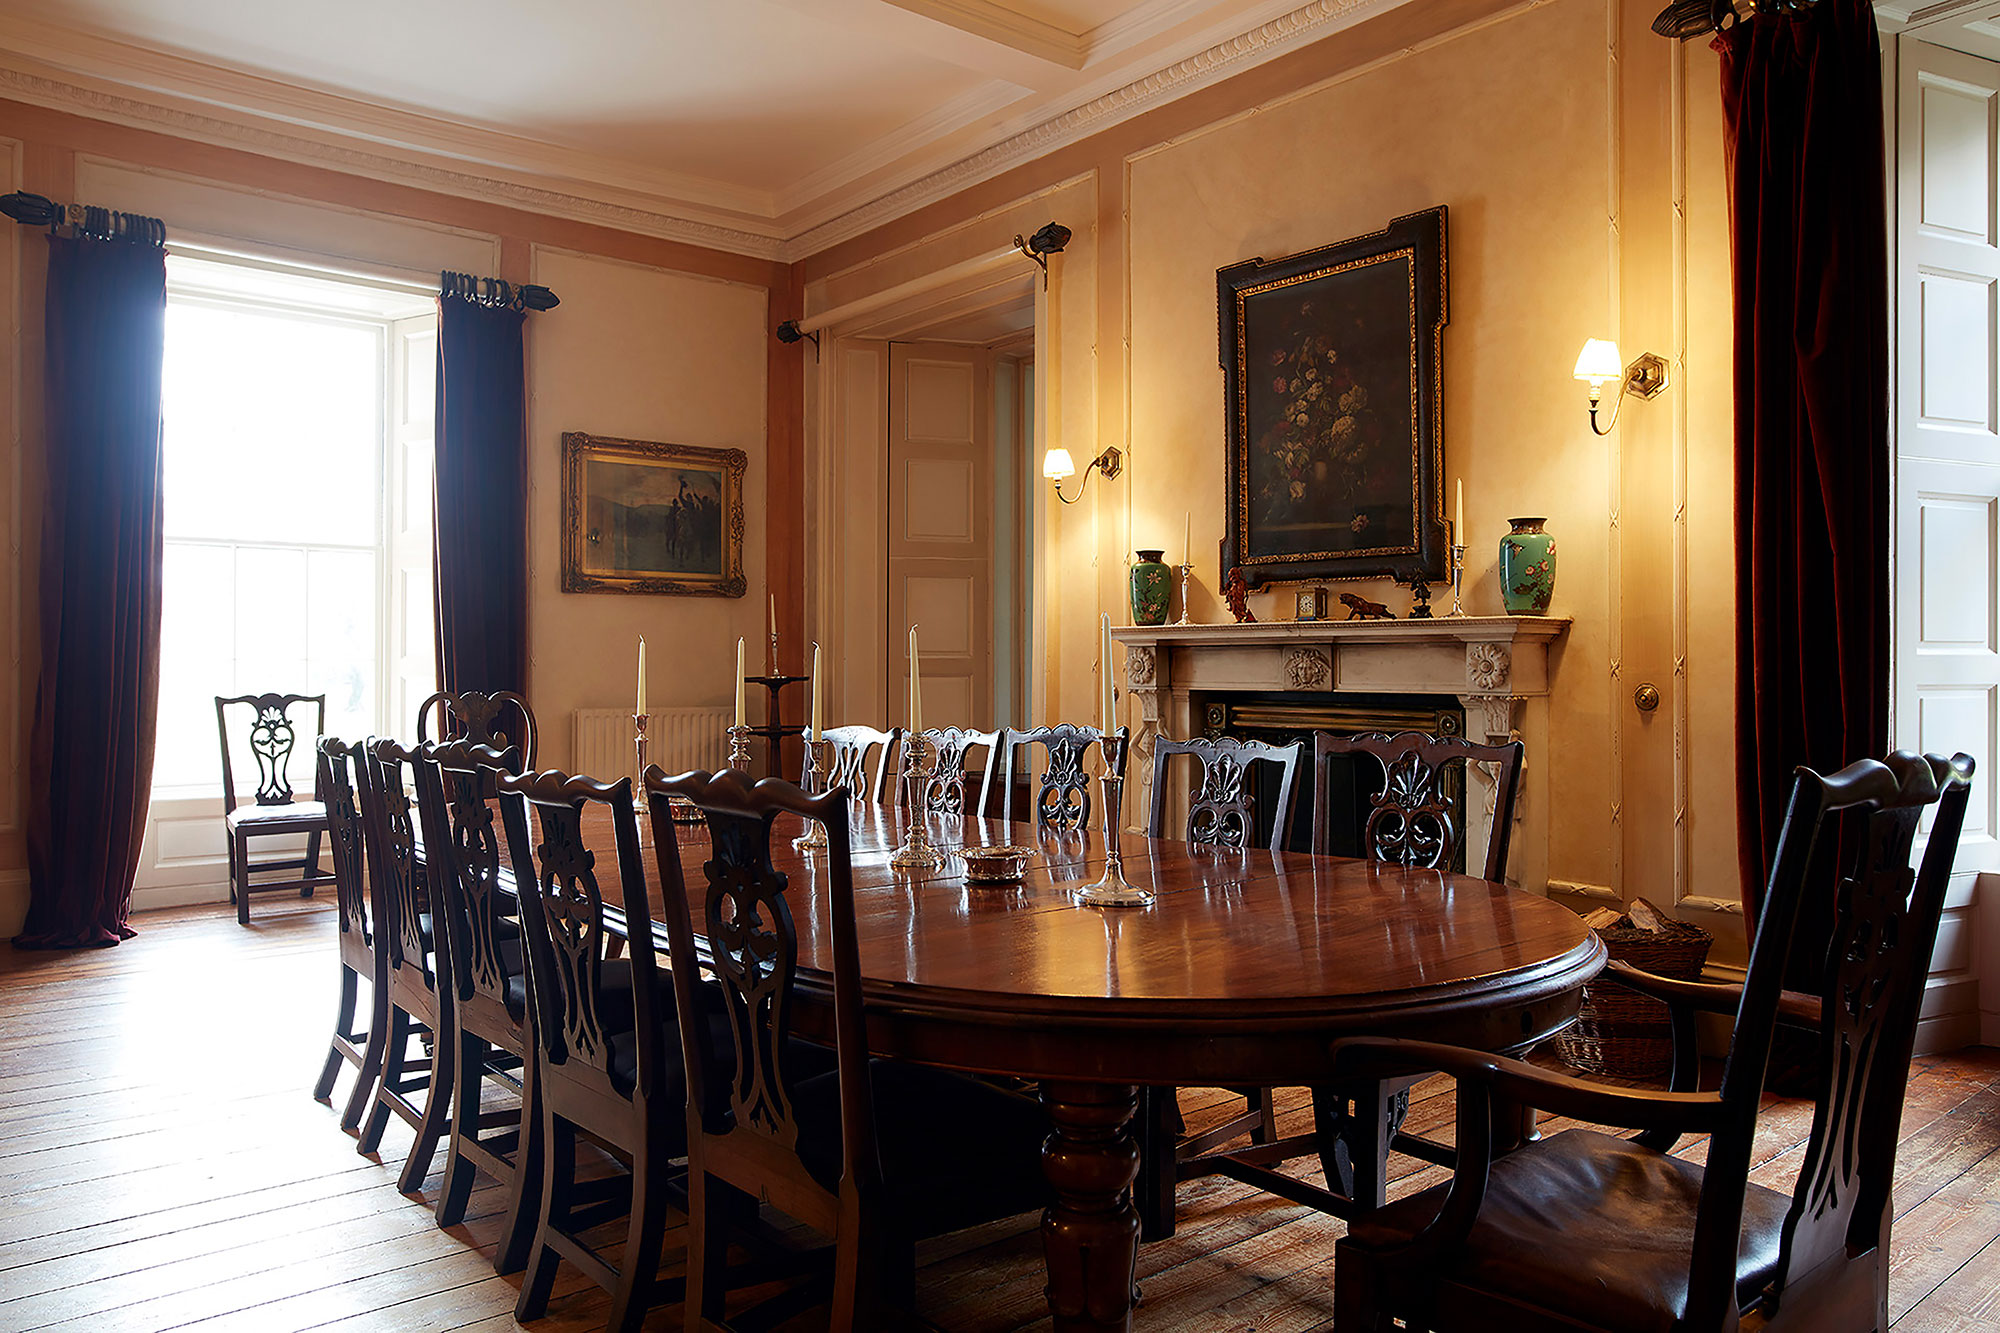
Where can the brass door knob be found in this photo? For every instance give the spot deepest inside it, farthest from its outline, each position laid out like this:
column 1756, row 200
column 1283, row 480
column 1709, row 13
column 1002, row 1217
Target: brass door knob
column 1646, row 697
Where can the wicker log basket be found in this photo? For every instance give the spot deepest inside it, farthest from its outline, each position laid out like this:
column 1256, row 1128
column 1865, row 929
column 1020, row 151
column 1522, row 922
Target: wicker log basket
column 1619, row 1032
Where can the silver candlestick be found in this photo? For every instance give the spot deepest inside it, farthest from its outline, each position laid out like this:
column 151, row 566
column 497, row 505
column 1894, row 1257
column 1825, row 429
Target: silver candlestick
column 1457, row 578
column 739, row 748
column 1187, row 608
column 919, row 766
column 1112, row 889
column 819, row 767
column 639, row 774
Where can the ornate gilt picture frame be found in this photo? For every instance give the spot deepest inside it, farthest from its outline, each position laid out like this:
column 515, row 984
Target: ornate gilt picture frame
column 1332, row 361
column 643, row 517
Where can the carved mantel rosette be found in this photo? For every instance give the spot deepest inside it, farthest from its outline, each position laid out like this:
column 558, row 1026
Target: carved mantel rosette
column 1487, row 666
column 1307, row 669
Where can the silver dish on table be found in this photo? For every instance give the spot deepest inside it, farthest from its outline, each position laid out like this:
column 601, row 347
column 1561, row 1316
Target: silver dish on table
column 996, row 865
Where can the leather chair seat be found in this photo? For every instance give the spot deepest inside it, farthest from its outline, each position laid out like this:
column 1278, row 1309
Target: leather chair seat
column 806, row 1058
column 955, row 1151
column 1591, row 1225
column 299, row 812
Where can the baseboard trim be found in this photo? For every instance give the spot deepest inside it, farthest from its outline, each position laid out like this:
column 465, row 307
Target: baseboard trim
column 13, row 902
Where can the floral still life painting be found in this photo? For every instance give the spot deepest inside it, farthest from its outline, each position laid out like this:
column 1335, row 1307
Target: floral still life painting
column 1332, row 361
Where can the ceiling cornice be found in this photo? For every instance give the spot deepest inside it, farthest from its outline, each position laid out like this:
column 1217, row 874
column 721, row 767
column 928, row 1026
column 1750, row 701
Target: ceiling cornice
column 194, row 101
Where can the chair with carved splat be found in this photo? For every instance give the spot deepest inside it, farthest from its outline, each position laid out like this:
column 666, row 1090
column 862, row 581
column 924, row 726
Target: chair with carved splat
column 608, row 1055
column 1222, row 814
column 356, row 935
column 1410, row 821
column 482, row 977
column 874, row 1154
column 271, row 736
column 412, row 1087
column 950, row 789
column 1583, row 1230
column 852, row 766
column 501, row 719
column 1062, row 794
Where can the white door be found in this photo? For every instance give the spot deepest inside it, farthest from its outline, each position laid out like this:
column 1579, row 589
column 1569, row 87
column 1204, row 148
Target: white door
column 1947, row 649
column 940, row 547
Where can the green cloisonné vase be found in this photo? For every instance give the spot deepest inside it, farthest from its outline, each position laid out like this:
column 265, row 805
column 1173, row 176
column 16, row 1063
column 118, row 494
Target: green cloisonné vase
column 1527, row 568
column 1152, row 589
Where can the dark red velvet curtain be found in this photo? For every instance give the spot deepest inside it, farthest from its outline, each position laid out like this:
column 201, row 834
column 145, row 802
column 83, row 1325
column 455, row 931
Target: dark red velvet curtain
column 1802, row 105
column 90, row 757
column 482, row 495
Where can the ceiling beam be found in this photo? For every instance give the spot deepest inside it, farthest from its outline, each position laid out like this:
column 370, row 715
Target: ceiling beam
column 997, row 23
column 929, row 35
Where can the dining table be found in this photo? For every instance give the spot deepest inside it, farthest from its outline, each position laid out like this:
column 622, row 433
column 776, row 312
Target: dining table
column 1242, row 972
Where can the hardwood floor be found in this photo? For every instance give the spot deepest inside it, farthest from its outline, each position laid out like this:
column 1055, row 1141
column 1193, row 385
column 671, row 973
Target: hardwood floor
column 163, row 1166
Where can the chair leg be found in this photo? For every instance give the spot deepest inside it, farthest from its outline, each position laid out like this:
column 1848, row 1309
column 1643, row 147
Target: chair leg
column 311, row 867
column 709, row 1207
column 240, row 876
column 644, row 1235
column 558, row 1185
column 1354, row 1145
column 1355, row 1295
column 524, row 1194
column 343, row 1026
column 395, row 1068
column 1266, row 1107
column 437, row 1121
column 1153, row 1193
column 858, row 1254
column 460, row 1174
column 370, row 1073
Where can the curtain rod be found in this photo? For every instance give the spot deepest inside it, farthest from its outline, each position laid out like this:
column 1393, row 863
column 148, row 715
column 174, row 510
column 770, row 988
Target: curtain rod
column 34, row 210
column 497, row 292
column 1684, row 20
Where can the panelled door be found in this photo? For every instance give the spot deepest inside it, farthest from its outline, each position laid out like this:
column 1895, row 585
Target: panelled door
column 940, row 548
column 1947, row 638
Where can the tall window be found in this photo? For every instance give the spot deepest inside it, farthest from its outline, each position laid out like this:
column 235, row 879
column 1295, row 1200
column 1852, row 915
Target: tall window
column 297, row 446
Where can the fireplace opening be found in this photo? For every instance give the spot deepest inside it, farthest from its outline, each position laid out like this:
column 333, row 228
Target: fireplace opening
column 1284, row 718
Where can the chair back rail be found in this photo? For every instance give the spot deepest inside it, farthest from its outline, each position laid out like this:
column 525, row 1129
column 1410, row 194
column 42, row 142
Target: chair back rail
column 852, row 768
column 392, row 858
column 946, row 793
column 1411, row 821
column 501, row 719
column 1062, row 798
column 745, row 911
column 272, row 737
column 1222, row 812
column 457, row 783
column 1884, row 929
column 345, row 836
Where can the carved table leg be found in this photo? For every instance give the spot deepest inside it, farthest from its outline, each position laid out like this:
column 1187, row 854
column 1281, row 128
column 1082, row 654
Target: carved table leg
column 1090, row 1235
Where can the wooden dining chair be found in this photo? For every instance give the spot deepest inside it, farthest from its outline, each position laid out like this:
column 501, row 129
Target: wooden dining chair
column 501, row 720
column 1585, row 1230
column 413, row 1087
column 355, row 934
column 852, row 768
column 1062, row 794
column 275, row 811
column 950, row 789
column 875, row 1154
column 484, row 979
column 1410, row 820
column 1222, row 813
column 607, row 1054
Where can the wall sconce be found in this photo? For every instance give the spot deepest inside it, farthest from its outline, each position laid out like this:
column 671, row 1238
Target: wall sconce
column 1057, row 465
column 1599, row 363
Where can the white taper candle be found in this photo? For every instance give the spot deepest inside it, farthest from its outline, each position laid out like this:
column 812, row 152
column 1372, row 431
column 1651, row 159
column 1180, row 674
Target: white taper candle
column 815, row 703
column 739, row 682
column 639, row 705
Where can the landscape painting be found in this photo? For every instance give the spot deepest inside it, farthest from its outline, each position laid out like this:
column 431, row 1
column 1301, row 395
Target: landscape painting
column 645, row 517
column 1335, row 441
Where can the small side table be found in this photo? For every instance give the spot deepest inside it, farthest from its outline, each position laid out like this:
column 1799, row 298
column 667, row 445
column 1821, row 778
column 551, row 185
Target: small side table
column 775, row 729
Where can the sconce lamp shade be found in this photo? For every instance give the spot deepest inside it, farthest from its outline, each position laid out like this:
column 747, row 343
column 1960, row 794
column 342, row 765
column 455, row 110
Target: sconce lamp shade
column 1057, row 464
column 1599, row 362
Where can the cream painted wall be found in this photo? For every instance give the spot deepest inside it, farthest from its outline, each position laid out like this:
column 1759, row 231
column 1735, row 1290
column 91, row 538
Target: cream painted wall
column 649, row 354
column 1581, row 159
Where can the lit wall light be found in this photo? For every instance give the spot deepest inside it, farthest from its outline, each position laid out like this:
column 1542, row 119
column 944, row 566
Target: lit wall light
column 1600, row 364
column 1058, row 465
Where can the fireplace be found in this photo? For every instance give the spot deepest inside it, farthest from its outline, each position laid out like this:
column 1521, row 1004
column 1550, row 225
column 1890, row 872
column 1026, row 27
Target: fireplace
column 1284, row 718
column 1487, row 678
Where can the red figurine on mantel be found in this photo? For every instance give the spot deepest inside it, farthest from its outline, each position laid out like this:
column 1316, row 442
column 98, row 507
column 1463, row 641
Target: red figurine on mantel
column 1239, row 598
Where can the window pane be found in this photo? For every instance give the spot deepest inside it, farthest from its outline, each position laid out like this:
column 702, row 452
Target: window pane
column 340, row 639
column 197, row 662
column 273, row 426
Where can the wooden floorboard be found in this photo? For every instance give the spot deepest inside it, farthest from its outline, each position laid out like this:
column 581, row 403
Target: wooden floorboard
column 163, row 1167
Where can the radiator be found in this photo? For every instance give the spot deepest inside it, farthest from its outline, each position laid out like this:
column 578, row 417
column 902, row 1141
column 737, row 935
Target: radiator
column 677, row 739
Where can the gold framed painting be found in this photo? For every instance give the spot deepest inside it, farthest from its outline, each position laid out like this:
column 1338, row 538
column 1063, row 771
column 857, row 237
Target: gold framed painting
column 644, row 517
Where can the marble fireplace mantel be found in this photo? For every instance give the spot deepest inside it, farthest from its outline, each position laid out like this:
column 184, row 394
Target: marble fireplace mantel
column 1497, row 667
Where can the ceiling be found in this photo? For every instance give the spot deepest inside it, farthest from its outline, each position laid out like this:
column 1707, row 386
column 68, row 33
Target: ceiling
column 771, row 127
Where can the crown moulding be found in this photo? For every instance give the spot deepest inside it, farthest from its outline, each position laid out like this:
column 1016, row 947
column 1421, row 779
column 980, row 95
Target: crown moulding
column 383, row 144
